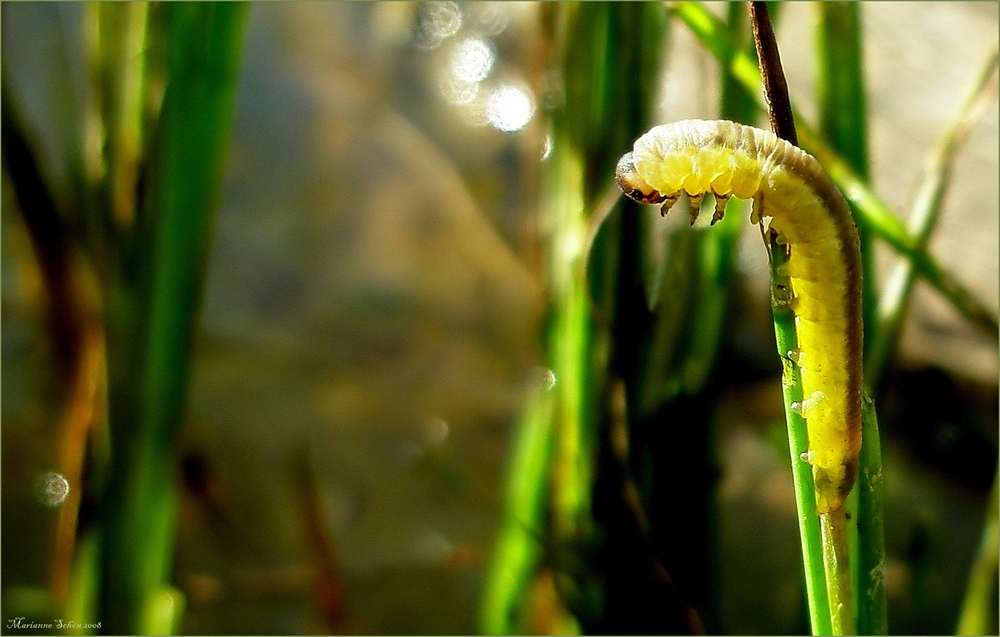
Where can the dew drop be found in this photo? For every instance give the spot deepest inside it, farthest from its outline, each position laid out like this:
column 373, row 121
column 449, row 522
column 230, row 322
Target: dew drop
column 52, row 488
column 546, row 147
column 436, row 430
column 548, row 379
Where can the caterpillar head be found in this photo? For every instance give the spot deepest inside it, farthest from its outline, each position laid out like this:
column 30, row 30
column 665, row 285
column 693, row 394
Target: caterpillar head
column 637, row 189
column 634, row 186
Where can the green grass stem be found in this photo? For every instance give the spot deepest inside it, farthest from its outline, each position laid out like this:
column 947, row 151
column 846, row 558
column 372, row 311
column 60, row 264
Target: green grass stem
column 868, row 560
column 810, row 536
column 153, row 307
column 978, row 615
column 837, row 571
column 843, row 114
column 553, row 466
column 518, row 546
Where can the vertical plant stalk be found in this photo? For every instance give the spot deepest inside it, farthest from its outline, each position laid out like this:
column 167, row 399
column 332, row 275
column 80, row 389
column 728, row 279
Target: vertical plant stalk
column 549, row 478
column 810, row 230
column 869, row 582
column 328, row 579
column 978, row 613
column 604, row 107
column 810, row 538
column 74, row 325
column 522, row 529
column 843, row 117
column 779, row 107
column 152, row 310
column 844, row 123
column 837, row 569
column 833, row 523
column 114, row 130
column 553, row 474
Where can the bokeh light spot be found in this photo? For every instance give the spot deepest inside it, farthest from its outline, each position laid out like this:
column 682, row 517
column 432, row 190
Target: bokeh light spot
column 509, row 108
column 472, row 60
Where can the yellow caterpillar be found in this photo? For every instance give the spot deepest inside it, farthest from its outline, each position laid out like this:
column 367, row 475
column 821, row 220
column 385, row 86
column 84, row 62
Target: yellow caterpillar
column 796, row 199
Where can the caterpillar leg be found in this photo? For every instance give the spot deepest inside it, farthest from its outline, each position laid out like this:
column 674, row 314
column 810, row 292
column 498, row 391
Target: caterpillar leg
column 668, row 203
column 720, row 207
column 694, row 201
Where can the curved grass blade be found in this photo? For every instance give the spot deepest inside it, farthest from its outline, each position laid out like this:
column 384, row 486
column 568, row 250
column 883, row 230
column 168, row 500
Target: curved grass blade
column 877, row 216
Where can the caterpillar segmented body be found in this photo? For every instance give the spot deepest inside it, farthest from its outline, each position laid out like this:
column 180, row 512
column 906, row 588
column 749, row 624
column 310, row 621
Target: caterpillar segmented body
column 797, row 200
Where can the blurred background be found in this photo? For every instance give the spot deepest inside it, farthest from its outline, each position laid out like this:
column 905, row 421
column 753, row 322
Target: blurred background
column 373, row 306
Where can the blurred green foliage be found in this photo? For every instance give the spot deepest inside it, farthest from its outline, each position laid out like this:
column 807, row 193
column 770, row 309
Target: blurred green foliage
column 156, row 125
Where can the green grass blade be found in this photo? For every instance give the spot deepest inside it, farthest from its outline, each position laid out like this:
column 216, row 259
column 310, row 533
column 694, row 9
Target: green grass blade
column 843, row 122
column 154, row 305
column 843, row 114
column 717, row 248
column 736, row 103
column 870, row 557
column 120, row 73
column 979, row 608
column 873, row 212
column 895, row 296
column 798, row 444
column 519, row 540
column 595, row 119
column 840, row 82
column 885, row 225
column 833, row 525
